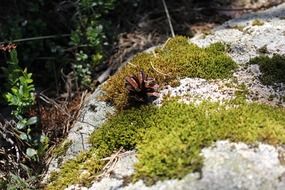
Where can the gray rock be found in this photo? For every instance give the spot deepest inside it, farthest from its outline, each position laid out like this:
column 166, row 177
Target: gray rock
column 227, row 166
column 245, row 44
column 122, row 169
column 197, row 89
column 230, row 166
column 93, row 114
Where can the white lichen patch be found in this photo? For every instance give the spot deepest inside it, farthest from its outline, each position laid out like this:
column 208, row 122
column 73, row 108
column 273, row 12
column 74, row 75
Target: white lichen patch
column 273, row 95
column 197, row 89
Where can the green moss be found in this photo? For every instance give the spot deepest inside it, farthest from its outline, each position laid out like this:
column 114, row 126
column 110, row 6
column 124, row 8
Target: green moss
column 169, row 139
column 263, row 50
column 176, row 59
column 81, row 170
column 257, row 22
column 272, row 69
column 61, row 149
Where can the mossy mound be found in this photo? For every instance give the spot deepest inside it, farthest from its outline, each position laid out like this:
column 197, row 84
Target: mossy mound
column 169, row 139
column 176, row 59
column 272, row 69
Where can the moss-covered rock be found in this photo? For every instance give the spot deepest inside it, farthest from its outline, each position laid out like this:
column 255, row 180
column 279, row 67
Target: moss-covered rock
column 272, row 69
column 169, row 139
column 176, row 59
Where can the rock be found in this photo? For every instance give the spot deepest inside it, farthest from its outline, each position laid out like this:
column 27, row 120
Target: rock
column 245, row 41
column 231, row 166
column 91, row 116
column 227, row 165
column 122, row 169
column 196, row 89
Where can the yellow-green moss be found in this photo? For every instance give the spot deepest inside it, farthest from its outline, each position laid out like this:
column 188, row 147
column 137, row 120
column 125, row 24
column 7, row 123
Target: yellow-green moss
column 61, row 149
column 176, row 59
column 272, row 69
column 169, row 139
column 81, row 170
column 257, row 22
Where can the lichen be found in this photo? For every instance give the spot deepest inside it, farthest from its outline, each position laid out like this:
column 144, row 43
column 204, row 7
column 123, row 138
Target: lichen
column 176, row 59
column 272, row 69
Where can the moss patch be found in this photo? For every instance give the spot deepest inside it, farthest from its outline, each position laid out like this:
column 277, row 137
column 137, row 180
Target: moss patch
column 272, row 69
column 176, row 59
column 257, row 22
column 169, row 138
column 61, row 149
column 81, row 170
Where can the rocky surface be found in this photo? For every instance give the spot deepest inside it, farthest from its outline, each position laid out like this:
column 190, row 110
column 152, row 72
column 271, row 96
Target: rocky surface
column 92, row 116
column 227, row 166
column 197, row 89
column 230, row 166
column 245, row 40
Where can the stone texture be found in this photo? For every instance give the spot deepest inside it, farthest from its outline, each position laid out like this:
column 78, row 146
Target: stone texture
column 231, row 166
column 93, row 114
column 227, row 166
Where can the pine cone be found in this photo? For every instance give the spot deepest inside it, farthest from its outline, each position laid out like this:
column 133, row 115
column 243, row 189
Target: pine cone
column 141, row 88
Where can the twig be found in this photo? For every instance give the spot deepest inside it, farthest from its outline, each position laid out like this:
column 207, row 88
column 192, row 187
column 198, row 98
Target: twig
column 109, row 167
column 39, row 38
column 50, row 101
column 119, row 155
column 158, row 70
column 165, row 43
column 168, row 18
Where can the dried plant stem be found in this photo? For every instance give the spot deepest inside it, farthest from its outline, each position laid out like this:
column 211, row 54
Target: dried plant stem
column 109, row 167
column 168, row 18
column 39, row 38
column 158, row 70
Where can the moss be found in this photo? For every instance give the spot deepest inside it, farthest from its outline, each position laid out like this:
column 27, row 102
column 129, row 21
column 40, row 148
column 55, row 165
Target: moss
column 272, row 69
column 239, row 27
column 263, row 50
column 169, row 139
column 176, row 59
column 61, row 149
column 81, row 170
column 257, row 22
